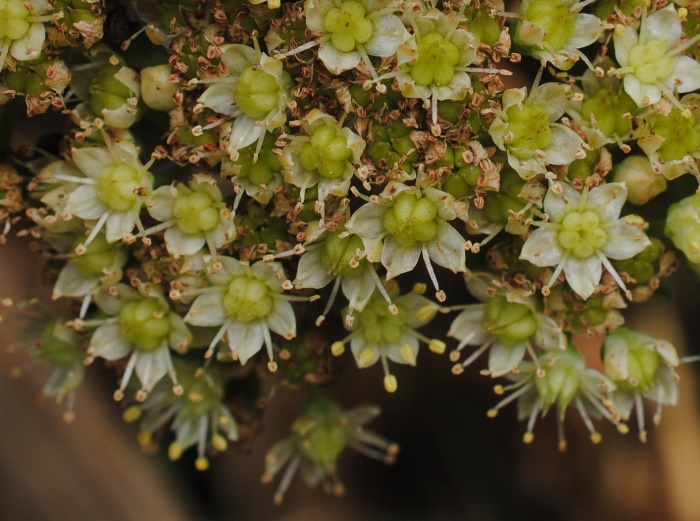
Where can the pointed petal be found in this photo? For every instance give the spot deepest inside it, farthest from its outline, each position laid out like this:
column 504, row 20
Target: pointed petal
column 624, row 241
column 245, row 339
column 282, row 319
column 607, row 200
column 83, row 203
column 389, row 33
column 336, row 61
column 91, row 160
column 311, row 272
column 447, row 249
column 542, row 248
column 504, row 358
column 107, row 342
column 72, row 283
column 583, row 275
column 29, row 47
column 180, row 243
column 207, row 310
column 398, row 259
column 685, row 75
column 151, row 366
column 556, row 205
column 120, row 224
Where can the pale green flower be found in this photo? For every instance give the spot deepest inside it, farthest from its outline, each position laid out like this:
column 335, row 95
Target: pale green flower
column 192, row 216
column 254, row 89
column 411, row 223
column 651, row 60
column 22, row 31
column 144, row 328
column 641, row 367
column 582, row 232
column 246, row 303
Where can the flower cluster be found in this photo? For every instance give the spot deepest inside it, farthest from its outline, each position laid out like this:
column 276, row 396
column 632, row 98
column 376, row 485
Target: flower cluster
column 243, row 179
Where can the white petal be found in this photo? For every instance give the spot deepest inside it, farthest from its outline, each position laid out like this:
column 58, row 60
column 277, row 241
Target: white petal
column 244, row 132
column 368, row 223
column 687, row 71
column 357, row 346
column 662, row 25
column 245, row 339
column 624, row 241
column 358, row 288
column 180, row 243
column 316, row 11
column 336, row 61
column 556, row 205
column 395, row 353
column 160, row 204
column 180, row 336
column 282, row 319
column 220, row 98
column 238, row 57
column 504, row 358
column 549, row 333
column 151, row 366
column 583, row 275
column 91, row 161
column 389, row 33
column 565, row 143
column 623, row 44
column 207, row 310
column 120, row 224
column 398, row 259
column 447, row 249
column 107, row 342
column 469, row 326
column 553, row 97
column 83, row 203
column 607, row 200
column 588, row 28
column 72, row 283
column 311, row 272
column 29, row 47
column 542, row 248
column 616, row 356
column 641, row 92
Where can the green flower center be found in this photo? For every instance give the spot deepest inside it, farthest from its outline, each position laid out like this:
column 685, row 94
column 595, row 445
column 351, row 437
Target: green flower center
column 528, row 130
column 378, row 325
column 642, row 367
column 15, row 21
column 248, row 299
column 195, row 213
column 557, row 19
column 144, row 323
column 649, row 61
column 437, row 61
column 509, row 321
column 338, row 253
column 582, row 233
column 348, row 26
column 99, row 254
column 412, row 219
column 681, row 134
column 560, row 384
column 324, row 443
column 257, row 92
column 607, row 106
column 327, row 152
column 118, row 186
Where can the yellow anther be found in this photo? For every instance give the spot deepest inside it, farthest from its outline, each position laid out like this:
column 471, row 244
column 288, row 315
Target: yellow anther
column 390, row 383
column 419, row 288
column 492, row 413
column 144, row 438
column 687, row 114
column 175, row 451
column 201, row 464
column 682, row 14
column 457, row 369
column 619, row 30
column 437, row 346
column 498, row 389
column 622, row 428
column 131, row 414
column 219, row 442
column 367, row 356
column 528, row 437
column 195, row 397
column 596, row 437
column 406, row 351
column 426, row 313
column 272, row 367
column 337, row 348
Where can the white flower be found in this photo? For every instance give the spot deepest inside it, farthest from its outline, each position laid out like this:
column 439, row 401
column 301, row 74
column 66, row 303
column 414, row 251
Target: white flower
column 254, row 89
column 114, row 189
column 506, row 324
column 22, row 32
column 142, row 327
column 325, row 156
column 192, row 217
column 556, row 30
column 352, row 31
column 411, row 223
column 527, row 130
column 246, row 302
column 582, row 232
column 650, row 60
column 381, row 332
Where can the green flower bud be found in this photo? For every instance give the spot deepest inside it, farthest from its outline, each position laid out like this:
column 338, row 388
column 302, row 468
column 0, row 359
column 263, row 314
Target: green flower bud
column 156, row 89
column 582, row 169
column 437, row 58
column 112, row 93
column 327, row 152
column 117, row 186
column 606, row 108
column 528, row 129
column 348, row 26
column 195, row 212
column 511, row 322
column 642, row 183
column 412, row 219
column 562, row 380
column 681, row 135
column 248, row 299
column 339, row 252
column 557, row 19
column 98, row 255
column 643, row 266
column 683, row 227
column 257, row 93
column 145, row 323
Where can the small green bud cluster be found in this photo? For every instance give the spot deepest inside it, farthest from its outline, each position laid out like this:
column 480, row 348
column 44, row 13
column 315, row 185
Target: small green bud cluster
column 511, row 322
column 412, row 219
column 348, row 26
column 557, row 19
column 257, row 92
column 145, row 323
column 437, row 58
column 528, row 129
column 248, row 299
column 327, row 152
